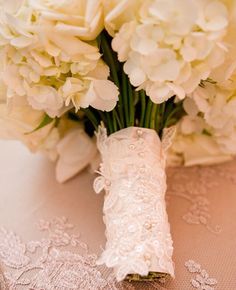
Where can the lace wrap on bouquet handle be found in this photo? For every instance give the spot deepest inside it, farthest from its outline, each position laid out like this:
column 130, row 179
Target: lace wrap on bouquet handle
column 133, row 175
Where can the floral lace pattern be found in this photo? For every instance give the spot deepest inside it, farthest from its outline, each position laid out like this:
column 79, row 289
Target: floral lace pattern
column 2, row 282
column 194, row 191
column 60, row 261
column 137, row 228
column 55, row 268
column 46, row 264
column 202, row 281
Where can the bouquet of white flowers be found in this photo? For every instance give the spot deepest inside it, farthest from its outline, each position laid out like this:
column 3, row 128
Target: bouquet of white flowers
column 153, row 81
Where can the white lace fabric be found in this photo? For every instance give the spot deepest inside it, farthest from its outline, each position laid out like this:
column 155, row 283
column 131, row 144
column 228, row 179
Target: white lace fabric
column 41, row 250
column 134, row 178
column 46, row 264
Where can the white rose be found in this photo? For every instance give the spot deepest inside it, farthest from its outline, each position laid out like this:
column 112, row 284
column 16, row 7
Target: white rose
column 76, row 150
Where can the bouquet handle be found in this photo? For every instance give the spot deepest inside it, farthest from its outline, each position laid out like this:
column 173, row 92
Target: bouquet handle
column 132, row 173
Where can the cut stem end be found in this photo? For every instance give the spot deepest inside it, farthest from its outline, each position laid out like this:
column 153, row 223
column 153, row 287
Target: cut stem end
column 151, row 277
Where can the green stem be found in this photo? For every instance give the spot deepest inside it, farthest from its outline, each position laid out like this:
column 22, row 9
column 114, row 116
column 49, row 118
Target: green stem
column 114, row 120
column 163, row 106
column 169, row 118
column 171, row 114
column 103, row 117
column 121, row 113
column 136, row 99
column 148, row 114
column 143, row 107
column 131, row 105
column 109, row 123
column 118, row 120
column 110, row 59
column 153, row 116
column 125, row 98
column 92, row 118
column 158, row 119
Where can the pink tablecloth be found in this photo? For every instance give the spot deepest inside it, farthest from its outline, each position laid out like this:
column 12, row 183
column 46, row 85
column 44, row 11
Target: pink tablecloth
column 50, row 233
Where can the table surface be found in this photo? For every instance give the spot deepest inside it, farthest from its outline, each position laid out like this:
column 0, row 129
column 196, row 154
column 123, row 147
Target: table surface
column 51, row 234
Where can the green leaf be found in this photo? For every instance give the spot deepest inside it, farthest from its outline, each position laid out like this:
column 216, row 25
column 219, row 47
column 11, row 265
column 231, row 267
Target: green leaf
column 45, row 121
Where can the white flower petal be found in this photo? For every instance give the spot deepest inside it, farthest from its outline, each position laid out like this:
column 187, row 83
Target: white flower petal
column 159, row 93
column 45, row 98
column 21, row 41
column 76, row 150
column 106, row 95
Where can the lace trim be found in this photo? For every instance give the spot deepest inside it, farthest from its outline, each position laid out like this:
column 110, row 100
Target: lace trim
column 202, row 280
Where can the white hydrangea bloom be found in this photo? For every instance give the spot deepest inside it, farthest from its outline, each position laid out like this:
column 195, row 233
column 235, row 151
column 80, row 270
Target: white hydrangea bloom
column 217, row 106
column 93, row 89
column 72, row 151
column 42, row 97
column 168, row 46
column 16, row 23
column 208, row 133
column 52, row 68
column 119, row 12
column 46, row 66
column 81, row 18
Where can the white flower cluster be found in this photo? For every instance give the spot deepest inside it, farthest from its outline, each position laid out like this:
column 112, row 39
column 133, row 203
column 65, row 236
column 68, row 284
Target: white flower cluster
column 49, row 63
column 67, row 142
column 52, row 68
column 208, row 133
column 168, row 46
